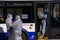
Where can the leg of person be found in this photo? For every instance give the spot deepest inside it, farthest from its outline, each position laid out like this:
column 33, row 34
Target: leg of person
column 16, row 36
column 41, row 26
column 43, row 30
column 40, row 29
column 9, row 36
column 13, row 36
column 20, row 38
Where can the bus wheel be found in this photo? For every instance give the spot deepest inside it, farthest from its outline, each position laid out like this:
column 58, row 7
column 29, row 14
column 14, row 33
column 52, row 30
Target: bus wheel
column 24, row 36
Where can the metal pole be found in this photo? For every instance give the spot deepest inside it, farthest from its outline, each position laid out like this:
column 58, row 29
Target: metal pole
column 48, row 20
column 35, row 18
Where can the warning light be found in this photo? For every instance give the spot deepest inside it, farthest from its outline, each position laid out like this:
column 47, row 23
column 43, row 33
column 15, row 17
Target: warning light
column 31, row 24
column 30, row 27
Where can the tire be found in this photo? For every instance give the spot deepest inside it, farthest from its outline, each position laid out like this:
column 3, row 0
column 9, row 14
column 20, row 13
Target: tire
column 24, row 36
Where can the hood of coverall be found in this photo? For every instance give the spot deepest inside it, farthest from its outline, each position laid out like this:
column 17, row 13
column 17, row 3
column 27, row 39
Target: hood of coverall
column 17, row 17
column 9, row 16
column 45, row 11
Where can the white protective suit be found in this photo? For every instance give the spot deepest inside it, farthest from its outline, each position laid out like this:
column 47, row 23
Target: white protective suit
column 9, row 25
column 17, row 27
column 43, row 24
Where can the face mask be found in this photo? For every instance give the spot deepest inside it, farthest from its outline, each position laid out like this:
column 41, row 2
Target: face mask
column 17, row 17
column 10, row 17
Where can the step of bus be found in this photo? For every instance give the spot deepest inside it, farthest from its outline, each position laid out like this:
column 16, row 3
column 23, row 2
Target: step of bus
column 40, row 38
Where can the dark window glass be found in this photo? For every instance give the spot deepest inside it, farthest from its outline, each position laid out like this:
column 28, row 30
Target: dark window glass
column 55, row 21
column 1, row 16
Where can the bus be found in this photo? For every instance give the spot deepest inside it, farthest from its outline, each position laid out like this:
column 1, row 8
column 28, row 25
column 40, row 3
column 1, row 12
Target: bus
column 26, row 11
column 30, row 13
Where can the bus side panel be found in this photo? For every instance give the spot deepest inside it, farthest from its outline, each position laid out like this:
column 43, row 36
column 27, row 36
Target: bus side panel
column 31, row 36
column 3, row 36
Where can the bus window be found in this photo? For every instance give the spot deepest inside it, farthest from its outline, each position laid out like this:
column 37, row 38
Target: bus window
column 55, row 21
column 19, row 10
column 1, row 16
column 26, row 13
column 25, row 10
column 55, row 16
column 10, row 10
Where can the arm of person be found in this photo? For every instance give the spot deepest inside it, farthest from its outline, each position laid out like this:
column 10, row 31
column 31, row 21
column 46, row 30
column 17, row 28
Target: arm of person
column 14, row 24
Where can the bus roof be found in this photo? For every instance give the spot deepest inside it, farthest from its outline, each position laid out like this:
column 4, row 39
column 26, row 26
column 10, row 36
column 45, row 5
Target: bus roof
column 26, row 0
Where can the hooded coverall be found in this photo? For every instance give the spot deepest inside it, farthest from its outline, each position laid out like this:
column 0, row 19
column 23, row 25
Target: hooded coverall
column 9, row 25
column 17, row 28
column 43, row 24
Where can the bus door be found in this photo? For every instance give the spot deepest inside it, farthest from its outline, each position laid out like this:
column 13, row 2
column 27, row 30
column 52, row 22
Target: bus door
column 54, row 21
column 42, row 11
column 25, row 10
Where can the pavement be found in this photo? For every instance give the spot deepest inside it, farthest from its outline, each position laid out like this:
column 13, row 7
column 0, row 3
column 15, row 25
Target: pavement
column 53, row 39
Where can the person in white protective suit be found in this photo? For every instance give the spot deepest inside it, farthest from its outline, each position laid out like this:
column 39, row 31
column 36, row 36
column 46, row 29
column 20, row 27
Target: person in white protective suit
column 17, row 28
column 43, row 23
column 9, row 26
